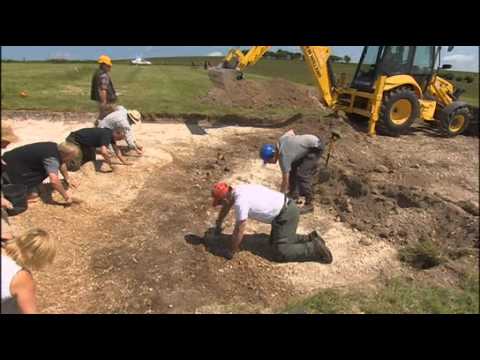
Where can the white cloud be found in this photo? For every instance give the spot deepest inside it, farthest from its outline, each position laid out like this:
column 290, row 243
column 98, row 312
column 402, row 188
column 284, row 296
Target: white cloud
column 215, row 53
column 460, row 61
column 148, row 48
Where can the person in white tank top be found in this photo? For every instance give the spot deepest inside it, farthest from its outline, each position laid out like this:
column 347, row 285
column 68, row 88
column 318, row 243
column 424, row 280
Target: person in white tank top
column 31, row 251
column 10, row 269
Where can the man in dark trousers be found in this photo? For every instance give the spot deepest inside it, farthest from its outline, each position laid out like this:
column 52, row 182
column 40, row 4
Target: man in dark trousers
column 102, row 89
column 299, row 157
column 257, row 202
column 87, row 140
column 31, row 164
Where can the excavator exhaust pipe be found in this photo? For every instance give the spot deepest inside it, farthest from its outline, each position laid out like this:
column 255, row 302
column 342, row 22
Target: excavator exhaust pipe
column 223, row 78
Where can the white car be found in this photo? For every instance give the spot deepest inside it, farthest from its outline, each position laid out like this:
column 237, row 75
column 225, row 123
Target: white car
column 140, row 61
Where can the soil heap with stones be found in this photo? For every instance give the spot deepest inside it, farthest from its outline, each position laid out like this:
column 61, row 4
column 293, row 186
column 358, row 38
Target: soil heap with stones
column 263, row 94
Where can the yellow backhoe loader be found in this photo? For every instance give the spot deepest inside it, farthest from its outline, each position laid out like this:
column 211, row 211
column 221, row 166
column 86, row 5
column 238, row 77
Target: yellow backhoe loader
column 392, row 84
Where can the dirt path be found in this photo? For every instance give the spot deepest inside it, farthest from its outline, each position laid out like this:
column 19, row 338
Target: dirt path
column 136, row 242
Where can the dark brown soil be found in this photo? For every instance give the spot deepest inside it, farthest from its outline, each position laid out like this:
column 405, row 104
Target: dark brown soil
column 153, row 257
column 263, row 94
column 164, row 231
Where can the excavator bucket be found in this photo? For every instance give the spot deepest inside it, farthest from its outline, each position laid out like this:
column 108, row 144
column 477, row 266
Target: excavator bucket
column 223, row 78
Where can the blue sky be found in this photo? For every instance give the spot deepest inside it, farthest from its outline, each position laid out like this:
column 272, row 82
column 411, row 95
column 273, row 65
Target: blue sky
column 462, row 57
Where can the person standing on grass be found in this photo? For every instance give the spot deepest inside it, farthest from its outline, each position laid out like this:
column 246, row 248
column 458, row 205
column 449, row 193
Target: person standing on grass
column 299, row 157
column 8, row 137
column 20, row 255
column 87, row 140
column 31, row 164
column 271, row 207
column 125, row 119
column 102, row 90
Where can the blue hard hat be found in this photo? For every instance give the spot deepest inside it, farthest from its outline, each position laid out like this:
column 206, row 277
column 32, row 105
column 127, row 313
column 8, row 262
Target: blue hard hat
column 267, row 151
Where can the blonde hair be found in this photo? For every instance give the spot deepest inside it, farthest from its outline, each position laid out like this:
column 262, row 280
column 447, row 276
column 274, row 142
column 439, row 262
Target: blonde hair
column 66, row 149
column 33, row 250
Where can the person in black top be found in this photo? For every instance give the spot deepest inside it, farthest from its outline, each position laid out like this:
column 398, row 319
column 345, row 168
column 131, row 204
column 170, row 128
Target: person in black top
column 88, row 139
column 7, row 136
column 31, row 164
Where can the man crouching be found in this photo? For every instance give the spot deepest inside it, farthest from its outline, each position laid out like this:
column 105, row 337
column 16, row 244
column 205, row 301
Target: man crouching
column 257, row 202
column 87, row 140
column 31, row 164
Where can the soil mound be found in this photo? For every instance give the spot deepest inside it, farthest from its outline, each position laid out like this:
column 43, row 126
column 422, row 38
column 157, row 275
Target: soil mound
column 263, row 94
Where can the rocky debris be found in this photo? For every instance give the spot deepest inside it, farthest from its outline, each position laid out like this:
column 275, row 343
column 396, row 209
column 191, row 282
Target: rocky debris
column 382, row 169
column 263, row 94
column 365, row 241
column 470, row 207
column 398, row 213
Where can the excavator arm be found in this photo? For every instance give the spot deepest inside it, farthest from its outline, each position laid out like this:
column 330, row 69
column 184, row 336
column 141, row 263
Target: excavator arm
column 233, row 65
column 235, row 59
column 316, row 57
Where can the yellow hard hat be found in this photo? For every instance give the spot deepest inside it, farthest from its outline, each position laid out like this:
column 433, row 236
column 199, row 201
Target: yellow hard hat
column 104, row 59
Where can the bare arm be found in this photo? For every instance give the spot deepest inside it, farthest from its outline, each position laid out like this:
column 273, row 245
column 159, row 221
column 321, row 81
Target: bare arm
column 57, row 185
column 103, row 96
column 285, row 183
column 66, row 176
column 237, row 235
column 119, row 155
column 222, row 215
column 106, row 155
column 23, row 288
column 6, row 204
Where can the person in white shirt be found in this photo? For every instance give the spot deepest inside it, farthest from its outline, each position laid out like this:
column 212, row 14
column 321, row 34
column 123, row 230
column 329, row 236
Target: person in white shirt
column 123, row 118
column 31, row 251
column 257, row 202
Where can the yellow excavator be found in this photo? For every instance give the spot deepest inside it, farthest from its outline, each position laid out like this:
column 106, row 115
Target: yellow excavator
column 392, row 84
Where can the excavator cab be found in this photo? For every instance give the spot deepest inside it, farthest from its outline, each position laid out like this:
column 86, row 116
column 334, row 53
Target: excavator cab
column 376, row 61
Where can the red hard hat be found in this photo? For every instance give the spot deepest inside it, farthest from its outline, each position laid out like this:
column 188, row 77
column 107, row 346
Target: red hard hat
column 219, row 192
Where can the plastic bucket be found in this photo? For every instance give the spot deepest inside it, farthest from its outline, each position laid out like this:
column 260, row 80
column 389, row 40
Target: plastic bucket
column 17, row 195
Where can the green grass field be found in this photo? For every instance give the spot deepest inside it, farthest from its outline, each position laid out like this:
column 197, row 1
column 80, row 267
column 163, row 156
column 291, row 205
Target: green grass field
column 171, row 85
column 396, row 296
column 167, row 89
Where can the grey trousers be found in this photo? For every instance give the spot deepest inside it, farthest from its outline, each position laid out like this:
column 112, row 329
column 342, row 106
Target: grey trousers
column 283, row 237
column 302, row 174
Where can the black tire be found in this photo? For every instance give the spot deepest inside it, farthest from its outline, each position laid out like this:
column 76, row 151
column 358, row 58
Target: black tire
column 449, row 122
column 389, row 106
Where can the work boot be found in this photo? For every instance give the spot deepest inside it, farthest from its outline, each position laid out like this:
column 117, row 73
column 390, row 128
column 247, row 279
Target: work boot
column 315, row 235
column 293, row 195
column 302, row 239
column 305, row 209
column 322, row 251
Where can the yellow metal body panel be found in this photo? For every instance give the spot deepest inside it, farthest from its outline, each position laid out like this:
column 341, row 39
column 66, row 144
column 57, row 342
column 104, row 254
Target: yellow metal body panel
column 441, row 89
column 316, row 57
column 376, row 104
column 395, row 81
column 427, row 109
